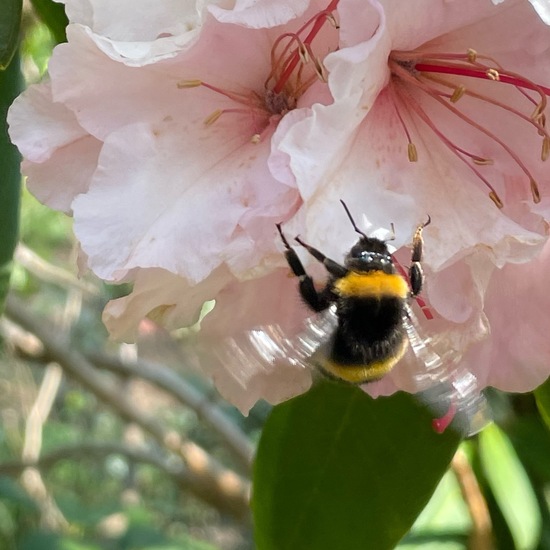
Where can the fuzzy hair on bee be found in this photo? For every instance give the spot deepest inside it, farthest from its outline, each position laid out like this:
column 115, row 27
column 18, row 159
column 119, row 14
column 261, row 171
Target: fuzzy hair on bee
column 371, row 305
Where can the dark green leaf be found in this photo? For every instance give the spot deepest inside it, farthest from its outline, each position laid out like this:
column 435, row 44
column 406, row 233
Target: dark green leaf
column 337, row 469
column 542, row 396
column 511, row 487
column 53, row 15
column 10, row 20
column 10, row 177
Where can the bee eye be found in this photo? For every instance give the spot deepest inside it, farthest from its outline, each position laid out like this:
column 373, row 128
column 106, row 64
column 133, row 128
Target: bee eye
column 365, row 256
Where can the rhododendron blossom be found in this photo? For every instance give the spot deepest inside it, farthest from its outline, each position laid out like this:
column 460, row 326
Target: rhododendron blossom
column 179, row 138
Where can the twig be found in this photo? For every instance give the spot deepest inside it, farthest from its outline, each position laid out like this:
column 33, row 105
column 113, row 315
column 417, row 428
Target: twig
column 186, row 394
column 481, row 537
column 51, row 273
column 159, row 375
column 97, row 450
column 208, row 479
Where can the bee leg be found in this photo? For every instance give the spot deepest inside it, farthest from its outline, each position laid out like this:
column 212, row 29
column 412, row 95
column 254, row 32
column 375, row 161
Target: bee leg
column 334, row 268
column 416, row 275
column 317, row 301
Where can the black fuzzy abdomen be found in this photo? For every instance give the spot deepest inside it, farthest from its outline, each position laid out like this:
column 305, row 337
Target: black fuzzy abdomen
column 370, row 330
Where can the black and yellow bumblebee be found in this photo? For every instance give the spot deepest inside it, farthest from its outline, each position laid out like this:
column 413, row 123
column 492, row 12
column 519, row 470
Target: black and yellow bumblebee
column 360, row 327
column 371, row 301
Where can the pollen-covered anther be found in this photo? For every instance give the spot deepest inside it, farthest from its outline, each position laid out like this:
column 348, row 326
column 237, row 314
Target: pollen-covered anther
column 320, row 70
column 493, row 74
column 434, row 75
column 496, row 199
column 412, row 152
column 211, row 118
column 458, row 93
column 255, row 139
column 535, row 191
column 304, row 54
column 480, row 161
column 182, row 84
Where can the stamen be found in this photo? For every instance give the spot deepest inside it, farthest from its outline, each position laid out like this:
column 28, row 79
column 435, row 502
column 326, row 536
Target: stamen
column 188, row 84
column 412, row 152
column 535, row 191
column 316, row 23
column 411, row 148
column 211, row 118
column 417, row 69
column 458, row 93
column 294, row 67
column 492, row 74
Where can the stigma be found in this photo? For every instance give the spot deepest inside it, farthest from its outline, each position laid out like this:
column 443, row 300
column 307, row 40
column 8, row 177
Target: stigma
column 447, row 78
column 294, row 66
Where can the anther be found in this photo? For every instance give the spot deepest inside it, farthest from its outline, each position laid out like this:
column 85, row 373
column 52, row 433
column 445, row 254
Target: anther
column 189, row 84
column 480, row 161
column 332, row 20
column 255, row 139
column 545, row 152
column 492, row 74
column 210, row 119
column 412, row 152
column 472, row 55
column 535, row 191
column 304, row 55
column 458, row 93
column 496, row 199
column 320, row 70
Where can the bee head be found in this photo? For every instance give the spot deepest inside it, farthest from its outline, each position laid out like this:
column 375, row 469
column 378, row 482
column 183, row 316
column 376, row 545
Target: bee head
column 369, row 254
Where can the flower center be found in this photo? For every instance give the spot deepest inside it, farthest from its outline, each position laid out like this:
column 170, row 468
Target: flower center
column 432, row 74
column 294, row 67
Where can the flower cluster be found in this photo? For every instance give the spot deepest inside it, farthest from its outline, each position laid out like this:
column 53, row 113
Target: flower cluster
column 177, row 134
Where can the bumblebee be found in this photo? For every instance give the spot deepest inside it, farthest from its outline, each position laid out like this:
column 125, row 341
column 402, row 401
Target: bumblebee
column 371, row 305
column 360, row 327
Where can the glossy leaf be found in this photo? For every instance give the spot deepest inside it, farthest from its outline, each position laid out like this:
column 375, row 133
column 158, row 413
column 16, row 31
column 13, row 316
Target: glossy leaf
column 338, row 469
column 10, row 20
column 53, row 15
column 542, row 396
column 10, row 86
column 511, row 487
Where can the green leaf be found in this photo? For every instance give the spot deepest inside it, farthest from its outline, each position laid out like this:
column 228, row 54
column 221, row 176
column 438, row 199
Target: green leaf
column 10, row 177
column 336, row 468
column 511, row 487
column 10, row 20
column 542, row 396
column 53, row 15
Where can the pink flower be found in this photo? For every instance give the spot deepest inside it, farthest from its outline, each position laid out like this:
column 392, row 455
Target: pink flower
column 180, row 144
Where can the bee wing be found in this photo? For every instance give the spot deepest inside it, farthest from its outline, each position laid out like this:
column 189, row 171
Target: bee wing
column 237, row 362
column 447, row 387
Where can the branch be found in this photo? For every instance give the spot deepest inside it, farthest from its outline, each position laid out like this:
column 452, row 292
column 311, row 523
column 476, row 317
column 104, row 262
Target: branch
column 186, row 394
column 481, row 537
column 97, row 450
column 208, row 479
column 51, row 273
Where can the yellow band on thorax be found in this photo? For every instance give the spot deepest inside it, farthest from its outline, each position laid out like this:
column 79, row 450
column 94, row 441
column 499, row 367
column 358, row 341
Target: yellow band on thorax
column 372, row 284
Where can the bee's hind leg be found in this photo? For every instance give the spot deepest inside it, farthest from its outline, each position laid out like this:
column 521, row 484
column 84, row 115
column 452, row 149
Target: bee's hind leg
column 416, row 275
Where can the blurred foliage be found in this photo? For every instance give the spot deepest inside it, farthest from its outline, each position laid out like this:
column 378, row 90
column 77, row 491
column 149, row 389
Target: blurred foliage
column 115, row 501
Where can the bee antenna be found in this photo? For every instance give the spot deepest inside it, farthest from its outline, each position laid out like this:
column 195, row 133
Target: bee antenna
column 392, row 236
column 351, row 219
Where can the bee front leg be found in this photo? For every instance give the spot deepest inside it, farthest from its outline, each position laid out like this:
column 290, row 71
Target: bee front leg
column 416, row 275
column 317, row 301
